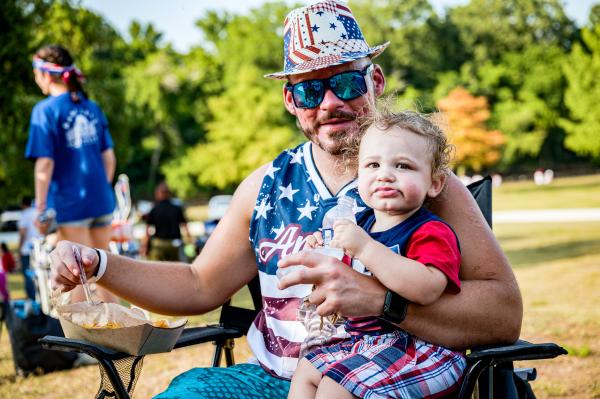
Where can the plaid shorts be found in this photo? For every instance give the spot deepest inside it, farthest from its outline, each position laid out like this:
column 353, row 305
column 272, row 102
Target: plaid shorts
column 391, row 365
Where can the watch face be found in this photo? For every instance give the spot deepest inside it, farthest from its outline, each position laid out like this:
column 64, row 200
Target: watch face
column 394, row 308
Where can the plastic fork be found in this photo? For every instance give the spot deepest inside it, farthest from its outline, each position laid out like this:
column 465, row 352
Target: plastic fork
column 82, row 277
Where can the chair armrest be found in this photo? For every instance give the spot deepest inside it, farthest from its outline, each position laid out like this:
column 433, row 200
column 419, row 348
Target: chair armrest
column 189, row 336
column 520, row 350
column 77, row 345
column 199, row 335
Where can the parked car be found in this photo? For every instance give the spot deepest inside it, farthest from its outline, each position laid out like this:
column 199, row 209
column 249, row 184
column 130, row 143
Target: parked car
column 9, row 218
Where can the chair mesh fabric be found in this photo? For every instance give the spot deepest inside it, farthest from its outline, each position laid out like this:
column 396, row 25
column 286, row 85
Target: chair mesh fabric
column 129, row 370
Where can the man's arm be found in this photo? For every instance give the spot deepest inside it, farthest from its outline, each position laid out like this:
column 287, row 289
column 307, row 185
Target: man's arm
column 489, row 308
column 225, row 265
column 110, row 164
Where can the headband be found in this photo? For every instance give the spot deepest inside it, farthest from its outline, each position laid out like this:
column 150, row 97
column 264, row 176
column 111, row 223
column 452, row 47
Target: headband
column 55, row 69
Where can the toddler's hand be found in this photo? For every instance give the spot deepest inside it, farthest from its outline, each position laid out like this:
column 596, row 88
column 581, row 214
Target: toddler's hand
column 348, row 236
column 315, row 240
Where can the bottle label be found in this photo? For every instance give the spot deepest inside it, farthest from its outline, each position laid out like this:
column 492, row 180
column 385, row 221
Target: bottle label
column 327, row 235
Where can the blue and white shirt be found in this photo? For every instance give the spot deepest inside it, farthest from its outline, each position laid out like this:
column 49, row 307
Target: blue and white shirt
column 74, row 135
column 290, row 206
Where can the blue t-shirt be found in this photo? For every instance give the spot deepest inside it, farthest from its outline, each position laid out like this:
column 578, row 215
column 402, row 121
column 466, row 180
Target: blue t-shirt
column 74, row 135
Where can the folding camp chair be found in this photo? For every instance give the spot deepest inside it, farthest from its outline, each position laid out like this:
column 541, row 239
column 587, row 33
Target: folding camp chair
column 491, row 368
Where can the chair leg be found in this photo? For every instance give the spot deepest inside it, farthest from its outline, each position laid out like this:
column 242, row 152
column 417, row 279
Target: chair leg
column 217, row 356
column 470, row 379
column 229, row 344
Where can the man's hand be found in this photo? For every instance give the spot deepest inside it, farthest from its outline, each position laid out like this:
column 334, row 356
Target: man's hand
column 337, row 287
column 349, row 237
column 64, row 273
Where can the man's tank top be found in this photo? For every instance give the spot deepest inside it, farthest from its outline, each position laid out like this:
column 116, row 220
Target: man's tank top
column 290, row 206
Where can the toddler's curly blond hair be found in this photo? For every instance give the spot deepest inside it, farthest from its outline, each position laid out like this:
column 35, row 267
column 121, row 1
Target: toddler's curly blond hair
column 425, row 125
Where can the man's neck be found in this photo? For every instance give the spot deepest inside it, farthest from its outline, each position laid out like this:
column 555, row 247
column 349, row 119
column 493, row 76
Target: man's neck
column 332, row 171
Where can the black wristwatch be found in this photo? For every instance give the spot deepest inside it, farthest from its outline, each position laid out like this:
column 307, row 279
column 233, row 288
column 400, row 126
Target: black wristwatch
column 394, row 308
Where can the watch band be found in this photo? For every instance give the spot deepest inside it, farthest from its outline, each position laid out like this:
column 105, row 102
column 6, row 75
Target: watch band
column 394, row 307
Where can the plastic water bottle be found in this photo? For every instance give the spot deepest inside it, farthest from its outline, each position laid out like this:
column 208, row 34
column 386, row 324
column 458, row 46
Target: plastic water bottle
column 342, row 211
column 321, row 329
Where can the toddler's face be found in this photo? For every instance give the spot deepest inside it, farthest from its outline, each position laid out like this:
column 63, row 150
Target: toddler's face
column 394, row 170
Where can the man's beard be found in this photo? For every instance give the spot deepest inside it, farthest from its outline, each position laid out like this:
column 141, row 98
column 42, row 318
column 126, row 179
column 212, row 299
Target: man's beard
column 339, row 138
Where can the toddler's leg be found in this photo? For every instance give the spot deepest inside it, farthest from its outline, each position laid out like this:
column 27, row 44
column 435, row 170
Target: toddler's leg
column 305, row 381
column 328, row 389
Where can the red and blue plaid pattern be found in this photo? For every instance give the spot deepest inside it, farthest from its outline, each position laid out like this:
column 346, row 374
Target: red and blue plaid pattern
column 393, row 365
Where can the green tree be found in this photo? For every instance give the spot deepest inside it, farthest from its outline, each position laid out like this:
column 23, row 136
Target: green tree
column 249, row 124
column 16, row 98
column 516, row 50
column 166, row 94
column 423, row 45
column 582, row 69
column 490, row 28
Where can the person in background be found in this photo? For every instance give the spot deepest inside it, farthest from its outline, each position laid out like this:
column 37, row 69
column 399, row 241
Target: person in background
column 74, row 158
column 7, row 264
column 164, row 224
column 27, row 233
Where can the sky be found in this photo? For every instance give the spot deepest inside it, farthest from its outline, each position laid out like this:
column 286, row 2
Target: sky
column 175, row 18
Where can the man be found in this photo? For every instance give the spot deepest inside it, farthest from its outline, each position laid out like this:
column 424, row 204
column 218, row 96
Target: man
column 164, row 224
column 331, row 82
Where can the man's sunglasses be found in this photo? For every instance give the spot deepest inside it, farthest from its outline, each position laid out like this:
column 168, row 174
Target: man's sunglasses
column 346, row 86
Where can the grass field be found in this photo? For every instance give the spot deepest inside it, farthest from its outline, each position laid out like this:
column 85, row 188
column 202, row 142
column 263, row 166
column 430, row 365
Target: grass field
column 570, row 192
column 557, row 265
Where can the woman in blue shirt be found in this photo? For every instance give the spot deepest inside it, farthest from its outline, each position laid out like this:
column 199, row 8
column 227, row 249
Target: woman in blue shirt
column 73, row 152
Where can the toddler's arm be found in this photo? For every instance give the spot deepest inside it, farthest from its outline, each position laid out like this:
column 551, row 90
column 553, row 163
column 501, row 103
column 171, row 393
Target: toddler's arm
column 418, row 283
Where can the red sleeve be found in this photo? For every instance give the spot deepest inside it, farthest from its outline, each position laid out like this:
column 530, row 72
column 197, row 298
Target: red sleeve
column 435, row 244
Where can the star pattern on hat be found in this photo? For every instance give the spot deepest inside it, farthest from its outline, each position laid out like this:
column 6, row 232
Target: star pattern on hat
column 321, row 35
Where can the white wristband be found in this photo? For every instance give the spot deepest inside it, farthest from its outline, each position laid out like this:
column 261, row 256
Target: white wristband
column 102, row 261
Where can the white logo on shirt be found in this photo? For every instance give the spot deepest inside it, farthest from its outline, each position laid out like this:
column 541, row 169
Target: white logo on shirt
column 80, row 128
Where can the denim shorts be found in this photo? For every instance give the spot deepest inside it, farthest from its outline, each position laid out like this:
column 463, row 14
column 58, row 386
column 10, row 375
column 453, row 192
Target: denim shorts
column 90, row 223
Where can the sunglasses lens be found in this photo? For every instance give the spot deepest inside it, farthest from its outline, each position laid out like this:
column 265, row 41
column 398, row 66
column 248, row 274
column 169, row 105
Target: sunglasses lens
column 349, row 85
column 308, row 94
column 346, row 86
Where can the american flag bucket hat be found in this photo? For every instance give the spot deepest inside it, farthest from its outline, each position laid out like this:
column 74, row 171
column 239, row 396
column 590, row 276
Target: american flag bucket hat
column 322, row 35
